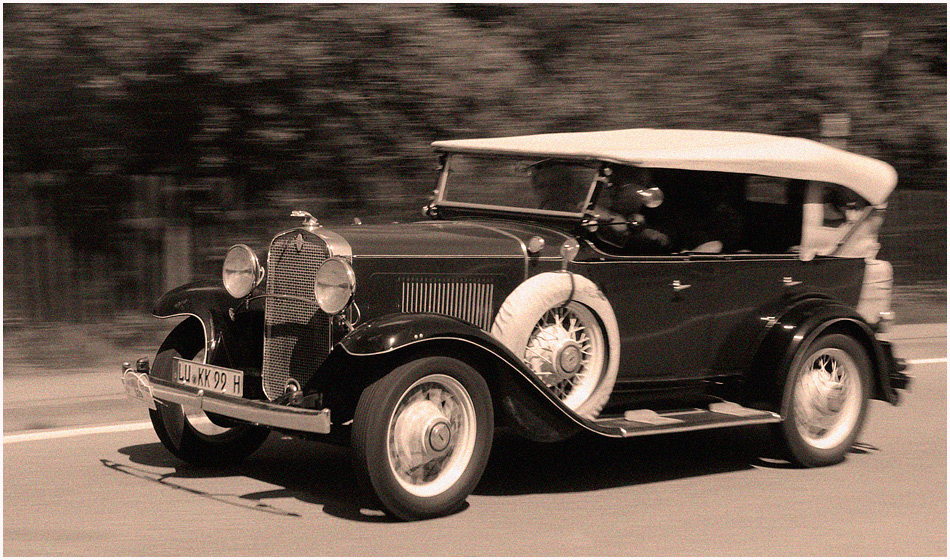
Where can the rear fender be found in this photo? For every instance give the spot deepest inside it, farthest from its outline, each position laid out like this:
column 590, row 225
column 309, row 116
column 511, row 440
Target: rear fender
column 783, row 336
column 375, row 348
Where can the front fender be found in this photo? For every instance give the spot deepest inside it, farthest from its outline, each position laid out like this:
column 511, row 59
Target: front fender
column 393, row 332
column 209, row 303
column 786, row 334
column 376, row 347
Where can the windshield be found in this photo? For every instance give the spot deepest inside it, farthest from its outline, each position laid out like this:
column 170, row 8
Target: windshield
column 520, row 184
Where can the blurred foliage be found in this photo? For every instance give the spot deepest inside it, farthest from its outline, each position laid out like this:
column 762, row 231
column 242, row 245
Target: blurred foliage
column 57, row 347
column 346, row 98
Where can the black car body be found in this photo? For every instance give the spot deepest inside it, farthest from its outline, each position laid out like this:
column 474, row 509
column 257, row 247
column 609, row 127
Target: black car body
column 730, row 280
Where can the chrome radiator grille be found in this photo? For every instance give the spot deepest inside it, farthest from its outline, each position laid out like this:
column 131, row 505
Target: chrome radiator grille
column 296, row 333
column 469, row 299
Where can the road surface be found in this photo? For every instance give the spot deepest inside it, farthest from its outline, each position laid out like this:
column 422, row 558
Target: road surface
column 85, row 475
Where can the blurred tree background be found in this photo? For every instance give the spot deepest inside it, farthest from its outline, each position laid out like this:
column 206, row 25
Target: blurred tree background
column 256, row 109
column 344, row 99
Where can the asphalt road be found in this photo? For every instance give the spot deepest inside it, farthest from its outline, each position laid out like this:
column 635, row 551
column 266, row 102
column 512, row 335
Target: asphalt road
column 724, row 492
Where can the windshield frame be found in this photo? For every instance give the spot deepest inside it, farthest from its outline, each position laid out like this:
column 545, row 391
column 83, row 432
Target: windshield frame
column 441, row 202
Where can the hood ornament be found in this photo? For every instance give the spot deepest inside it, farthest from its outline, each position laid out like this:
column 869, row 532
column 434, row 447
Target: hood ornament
column 309, row 221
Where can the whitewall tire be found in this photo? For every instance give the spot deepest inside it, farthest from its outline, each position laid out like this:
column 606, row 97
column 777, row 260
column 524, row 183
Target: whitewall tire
column 566, row 332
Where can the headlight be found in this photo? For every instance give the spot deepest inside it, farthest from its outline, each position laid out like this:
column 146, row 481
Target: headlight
column 241, row 271
column 335, row 285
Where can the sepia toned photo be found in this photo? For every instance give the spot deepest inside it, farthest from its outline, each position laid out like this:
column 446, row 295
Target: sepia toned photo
column 475, row 280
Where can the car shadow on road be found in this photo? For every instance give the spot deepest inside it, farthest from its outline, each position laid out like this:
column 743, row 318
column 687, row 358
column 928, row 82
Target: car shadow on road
column 588, row 462
column 322, row 475
column 306, row 472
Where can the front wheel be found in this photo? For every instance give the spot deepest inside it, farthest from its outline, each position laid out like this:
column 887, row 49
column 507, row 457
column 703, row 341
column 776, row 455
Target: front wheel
column 421, row 437
column 188, row 433
column 825, row 400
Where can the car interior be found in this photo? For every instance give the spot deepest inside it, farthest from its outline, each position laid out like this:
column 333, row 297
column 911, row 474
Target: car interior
column 711, row 213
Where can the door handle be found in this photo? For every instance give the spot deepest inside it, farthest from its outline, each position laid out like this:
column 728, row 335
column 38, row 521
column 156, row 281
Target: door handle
column 679, row 287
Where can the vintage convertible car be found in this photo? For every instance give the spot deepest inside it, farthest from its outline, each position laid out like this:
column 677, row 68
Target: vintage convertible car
column 621, row 283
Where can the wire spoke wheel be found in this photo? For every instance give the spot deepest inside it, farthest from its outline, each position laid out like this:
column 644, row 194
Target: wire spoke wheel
column 566, row 350
column 564, row 330
column 827, row 398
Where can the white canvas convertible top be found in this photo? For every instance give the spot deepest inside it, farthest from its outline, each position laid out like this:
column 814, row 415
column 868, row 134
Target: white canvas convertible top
column 702, row 150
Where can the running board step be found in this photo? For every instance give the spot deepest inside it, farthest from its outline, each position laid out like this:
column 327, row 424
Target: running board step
column 718, row 415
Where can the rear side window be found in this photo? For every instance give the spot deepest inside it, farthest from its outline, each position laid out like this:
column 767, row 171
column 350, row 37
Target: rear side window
column 771, row 190
column 731, row 212
column 773, row 210
column 714, row 212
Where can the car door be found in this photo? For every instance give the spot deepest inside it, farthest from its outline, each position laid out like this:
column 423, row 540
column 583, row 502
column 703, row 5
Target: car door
column 764, row 266
column 662, row 337
column 741, row 287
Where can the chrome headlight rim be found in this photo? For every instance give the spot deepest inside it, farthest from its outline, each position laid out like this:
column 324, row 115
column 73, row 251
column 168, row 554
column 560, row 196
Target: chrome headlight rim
column 322, row 290
column 254, row 267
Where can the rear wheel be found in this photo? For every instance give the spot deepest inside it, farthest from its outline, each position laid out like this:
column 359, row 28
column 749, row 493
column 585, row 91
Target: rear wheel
column 421, row 437
column 188, row 433
column 825, row 400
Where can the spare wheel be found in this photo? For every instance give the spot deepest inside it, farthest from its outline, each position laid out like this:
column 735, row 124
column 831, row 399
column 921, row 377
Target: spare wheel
column 566, row 332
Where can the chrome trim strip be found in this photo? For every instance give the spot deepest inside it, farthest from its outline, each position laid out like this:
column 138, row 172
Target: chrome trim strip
column 694, row 257
column 443, row 256
column 204, row 328
column 668, row 429
column 266, row 414
column 616, row 257
column 337, row 246
column 347, row 350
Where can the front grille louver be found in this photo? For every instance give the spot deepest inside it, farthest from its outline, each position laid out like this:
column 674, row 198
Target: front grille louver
column 296, row 333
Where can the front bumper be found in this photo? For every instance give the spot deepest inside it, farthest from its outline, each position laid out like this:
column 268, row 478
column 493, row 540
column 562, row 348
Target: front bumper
column 139, row 385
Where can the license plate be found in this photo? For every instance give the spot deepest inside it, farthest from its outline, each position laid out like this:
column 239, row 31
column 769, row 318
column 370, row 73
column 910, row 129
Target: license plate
column 211, row 378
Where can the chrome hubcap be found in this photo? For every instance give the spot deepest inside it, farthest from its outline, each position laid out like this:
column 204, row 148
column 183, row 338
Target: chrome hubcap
column 566, row 351
column 440, row 435
column 827, row 398
column 569, row 359
column 431, row 435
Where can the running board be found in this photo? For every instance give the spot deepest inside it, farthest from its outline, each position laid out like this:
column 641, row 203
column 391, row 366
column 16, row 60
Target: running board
column 718, row 415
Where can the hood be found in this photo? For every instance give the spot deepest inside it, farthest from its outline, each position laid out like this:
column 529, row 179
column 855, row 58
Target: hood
column 442, row 239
